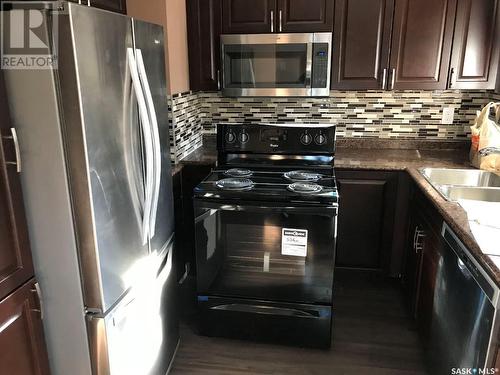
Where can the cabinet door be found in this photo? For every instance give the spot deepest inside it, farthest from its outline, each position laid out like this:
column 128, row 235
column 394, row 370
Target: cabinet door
column 421, row 44
column 361, row 54
column 247, row 17
column 476, row 45
column 22, row 345
column 204, row 29
column 366, row 218
column 305, row 15
column 429, row 266
column 411, row 279
column 16, row 265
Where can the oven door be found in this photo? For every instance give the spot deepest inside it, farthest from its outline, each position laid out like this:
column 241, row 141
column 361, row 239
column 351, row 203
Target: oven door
column 265, row 251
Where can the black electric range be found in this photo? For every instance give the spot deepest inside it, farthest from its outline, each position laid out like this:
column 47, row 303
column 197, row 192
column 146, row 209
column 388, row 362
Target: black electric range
column 266, row 226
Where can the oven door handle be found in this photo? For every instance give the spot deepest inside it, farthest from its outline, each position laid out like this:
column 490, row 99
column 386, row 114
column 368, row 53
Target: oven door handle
column 205, row 214
column 266, row 310
column 211, row 208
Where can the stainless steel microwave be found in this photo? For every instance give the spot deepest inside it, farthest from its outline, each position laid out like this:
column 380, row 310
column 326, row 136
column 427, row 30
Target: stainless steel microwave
column 276, row 64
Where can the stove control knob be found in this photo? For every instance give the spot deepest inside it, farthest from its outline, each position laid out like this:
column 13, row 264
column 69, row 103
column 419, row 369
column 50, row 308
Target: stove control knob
column 244, row 137
column 230, row 137
column 320, row 139
column 305, row 139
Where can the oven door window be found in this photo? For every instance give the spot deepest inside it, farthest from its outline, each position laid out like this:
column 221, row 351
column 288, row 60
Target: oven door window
column 265, row 66
column 273, row 253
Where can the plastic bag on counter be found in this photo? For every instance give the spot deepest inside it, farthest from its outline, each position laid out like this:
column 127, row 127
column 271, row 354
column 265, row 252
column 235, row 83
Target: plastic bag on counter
column 485, row 147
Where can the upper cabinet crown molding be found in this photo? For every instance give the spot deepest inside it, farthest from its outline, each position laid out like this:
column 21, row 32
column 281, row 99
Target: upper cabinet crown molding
column 476, row 45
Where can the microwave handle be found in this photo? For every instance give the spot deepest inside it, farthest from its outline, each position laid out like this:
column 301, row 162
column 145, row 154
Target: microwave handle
column 309, row 64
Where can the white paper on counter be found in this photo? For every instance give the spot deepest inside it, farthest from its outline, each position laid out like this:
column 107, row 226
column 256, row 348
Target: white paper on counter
column 484, row 222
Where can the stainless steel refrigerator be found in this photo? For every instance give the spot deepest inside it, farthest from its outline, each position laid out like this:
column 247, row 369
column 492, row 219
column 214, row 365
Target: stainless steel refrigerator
column 96, row 176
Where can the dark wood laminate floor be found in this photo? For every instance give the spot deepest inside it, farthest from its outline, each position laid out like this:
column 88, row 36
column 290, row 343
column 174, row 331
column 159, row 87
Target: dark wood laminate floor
column 373, row 334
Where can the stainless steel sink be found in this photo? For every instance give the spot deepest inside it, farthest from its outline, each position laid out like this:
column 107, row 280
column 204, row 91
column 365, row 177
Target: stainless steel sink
column 455, row 184
column 454, row 193
column 461, row 177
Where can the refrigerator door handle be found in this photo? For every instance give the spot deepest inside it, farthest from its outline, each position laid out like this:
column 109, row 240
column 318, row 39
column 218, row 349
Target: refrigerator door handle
column 148, row 147
column 155, row 139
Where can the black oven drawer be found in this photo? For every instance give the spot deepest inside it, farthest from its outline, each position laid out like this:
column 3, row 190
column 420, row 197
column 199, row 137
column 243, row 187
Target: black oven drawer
column 266, row 321
column 263, row 251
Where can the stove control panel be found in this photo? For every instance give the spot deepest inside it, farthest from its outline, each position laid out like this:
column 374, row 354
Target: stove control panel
column 272, row 139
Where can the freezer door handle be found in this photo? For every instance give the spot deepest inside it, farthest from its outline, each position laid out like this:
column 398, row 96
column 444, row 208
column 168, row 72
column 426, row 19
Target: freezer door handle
column 155, row 140
column 148, row 146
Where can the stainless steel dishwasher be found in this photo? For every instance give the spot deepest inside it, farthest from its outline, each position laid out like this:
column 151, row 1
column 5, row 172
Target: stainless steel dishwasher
column 464, row 321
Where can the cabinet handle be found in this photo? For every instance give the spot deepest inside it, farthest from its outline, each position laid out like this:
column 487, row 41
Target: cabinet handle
column 384, row 78
column 14, row 138
column 218, row 80
column 280, row 22
column 452, row 74
column 393, row 78
column 38, row 293
column 418, row 235
column 272, row 21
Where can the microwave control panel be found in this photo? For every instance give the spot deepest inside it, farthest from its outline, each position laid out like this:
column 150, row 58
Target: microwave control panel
column 320, row 65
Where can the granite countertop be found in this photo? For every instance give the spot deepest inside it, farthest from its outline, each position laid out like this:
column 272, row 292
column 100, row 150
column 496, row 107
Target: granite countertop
column 407, row 156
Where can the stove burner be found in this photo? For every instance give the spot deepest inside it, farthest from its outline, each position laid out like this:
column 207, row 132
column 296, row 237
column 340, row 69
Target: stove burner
column 305, row 187
column 237, row 184
column 302, row 176
column 238, row 172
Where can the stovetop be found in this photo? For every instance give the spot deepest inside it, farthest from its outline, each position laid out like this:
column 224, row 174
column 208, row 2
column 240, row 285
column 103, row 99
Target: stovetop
column 271, row 184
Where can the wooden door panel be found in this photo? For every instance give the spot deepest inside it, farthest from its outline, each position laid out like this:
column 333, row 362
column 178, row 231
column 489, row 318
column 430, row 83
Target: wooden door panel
column 476, row 45
column 22, row 345
column 246, row 17
column 360, row 54
column 204, row 29
column 421, row 43
column 305, row 15
column 15, row 256
column 365, row 222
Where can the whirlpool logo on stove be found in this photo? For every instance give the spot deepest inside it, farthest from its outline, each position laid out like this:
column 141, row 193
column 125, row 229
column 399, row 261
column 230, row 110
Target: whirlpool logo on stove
column 295, row 233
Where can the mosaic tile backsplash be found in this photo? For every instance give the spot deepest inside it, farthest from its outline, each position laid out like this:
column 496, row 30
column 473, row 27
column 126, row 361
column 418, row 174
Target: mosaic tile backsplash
column 186, row 129
column 365, row 114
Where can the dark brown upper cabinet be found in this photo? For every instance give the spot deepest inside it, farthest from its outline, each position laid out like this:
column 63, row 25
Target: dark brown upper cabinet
column 305, row 15
column 119, row 6
column 421, row 44
column 248, row 17
column 361, row 44
column 476, row 45
column 16, row 266
column 22, row 345
column 271, row 16
column 204, row 29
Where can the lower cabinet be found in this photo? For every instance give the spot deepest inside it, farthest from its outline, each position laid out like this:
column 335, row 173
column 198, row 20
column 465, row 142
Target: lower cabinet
column 22, row 346
column 422, row 256
column 184, row 184
column 368, row 234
